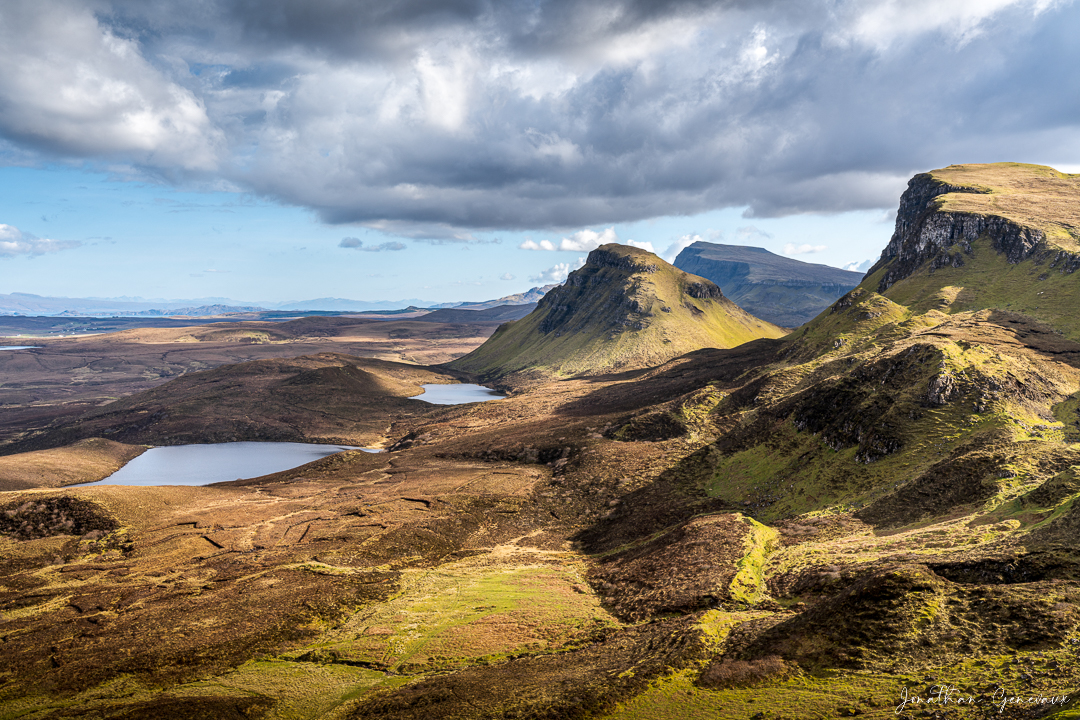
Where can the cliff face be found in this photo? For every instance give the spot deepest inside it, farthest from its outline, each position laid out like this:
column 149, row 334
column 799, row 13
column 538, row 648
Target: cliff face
column 625, row 309
column 975, row 237
column 926, row 233
column 781, row 290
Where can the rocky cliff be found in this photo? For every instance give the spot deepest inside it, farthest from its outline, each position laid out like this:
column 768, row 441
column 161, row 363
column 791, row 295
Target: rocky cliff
column 625, row 309
column 783, row 291
column 975, row 237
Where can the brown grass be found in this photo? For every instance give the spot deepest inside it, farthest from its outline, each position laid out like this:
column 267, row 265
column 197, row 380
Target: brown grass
column 85, row 461
column 742, row 673
column 1033, row 195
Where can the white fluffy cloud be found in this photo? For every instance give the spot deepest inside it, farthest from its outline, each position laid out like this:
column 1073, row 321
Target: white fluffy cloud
column 793, row 249
column 558, row 273
column 542, row 245
column 644, row 245
column 679, row 245
column 14, row 242
column 860, row 266
column 582, row 241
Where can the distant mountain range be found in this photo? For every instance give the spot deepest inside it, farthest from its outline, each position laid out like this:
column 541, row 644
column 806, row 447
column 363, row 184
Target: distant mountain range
column 779, row 289
column 38, row 305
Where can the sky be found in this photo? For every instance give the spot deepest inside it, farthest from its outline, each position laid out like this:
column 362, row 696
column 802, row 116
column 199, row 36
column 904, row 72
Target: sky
column 451, row 150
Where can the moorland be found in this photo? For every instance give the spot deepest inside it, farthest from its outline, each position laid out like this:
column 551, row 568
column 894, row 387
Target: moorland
column 816, row 524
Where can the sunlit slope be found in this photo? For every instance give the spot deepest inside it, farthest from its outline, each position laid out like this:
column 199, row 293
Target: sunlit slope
column 946, row 381
column 625, row 309
column 975, row 237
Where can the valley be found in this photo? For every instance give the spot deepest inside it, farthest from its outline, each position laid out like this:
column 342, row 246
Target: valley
column 734, row 522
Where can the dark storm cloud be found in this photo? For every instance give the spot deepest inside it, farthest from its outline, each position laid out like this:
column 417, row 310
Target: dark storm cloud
column 432, row 118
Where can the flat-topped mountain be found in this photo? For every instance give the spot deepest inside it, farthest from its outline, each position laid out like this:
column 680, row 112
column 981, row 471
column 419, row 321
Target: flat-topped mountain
column 1003, row 236
column 781, row 290
column 625, row 309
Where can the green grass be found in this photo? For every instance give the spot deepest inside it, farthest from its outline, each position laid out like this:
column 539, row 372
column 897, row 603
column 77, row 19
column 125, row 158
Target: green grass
column 676, row 697
column 466, row 613
column 748, row 585
column 867, row 695
column 988, row 281
column 458, row 615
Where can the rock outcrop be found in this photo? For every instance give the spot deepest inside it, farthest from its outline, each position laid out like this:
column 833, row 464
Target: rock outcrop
column 925, row 232
column 1004, row 236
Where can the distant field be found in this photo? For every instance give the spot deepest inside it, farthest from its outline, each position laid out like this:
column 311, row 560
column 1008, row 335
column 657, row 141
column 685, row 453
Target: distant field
column 69, row 375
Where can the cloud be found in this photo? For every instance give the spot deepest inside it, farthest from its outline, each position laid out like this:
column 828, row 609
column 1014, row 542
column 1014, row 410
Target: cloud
column 860, row 266
column 506, row 276
column 434, row 119
column 14, row 242
column 752, row 234
column 356, row 244
column 533, row 245
column 558, row 273
column 644, row 245
column 581, row 241
column 71, row 86
column 679, row 245
column 793, row 249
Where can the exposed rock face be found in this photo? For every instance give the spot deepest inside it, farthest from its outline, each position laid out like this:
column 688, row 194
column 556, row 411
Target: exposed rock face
column 625, row 309
column 781, row 290
column 927, row 233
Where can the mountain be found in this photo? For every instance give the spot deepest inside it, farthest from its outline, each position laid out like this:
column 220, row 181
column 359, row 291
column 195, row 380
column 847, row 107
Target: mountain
column 974, row 237
column 200, row 311
column 464, row 314
column 624, row 309
column 783, row 291
column 29, row 304
column 37, row 305
column 528, row 297
column 882, row 504
column 346, row 305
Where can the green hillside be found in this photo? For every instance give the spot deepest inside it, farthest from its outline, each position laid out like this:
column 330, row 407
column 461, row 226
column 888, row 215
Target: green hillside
column 976, row 237
column 625, row 309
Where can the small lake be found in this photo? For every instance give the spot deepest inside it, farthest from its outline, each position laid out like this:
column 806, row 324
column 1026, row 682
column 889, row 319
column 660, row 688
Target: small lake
column 457, row 394
column 19, row 347
column 222, row 462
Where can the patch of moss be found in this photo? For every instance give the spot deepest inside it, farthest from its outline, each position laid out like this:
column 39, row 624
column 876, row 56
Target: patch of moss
column 748, row 586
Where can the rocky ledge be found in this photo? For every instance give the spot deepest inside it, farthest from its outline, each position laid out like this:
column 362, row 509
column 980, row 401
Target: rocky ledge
column 925, row 232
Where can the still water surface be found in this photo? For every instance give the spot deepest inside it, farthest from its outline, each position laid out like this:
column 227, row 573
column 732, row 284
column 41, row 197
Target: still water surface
column 19, row 347
column 457, row 394
column 205, row 464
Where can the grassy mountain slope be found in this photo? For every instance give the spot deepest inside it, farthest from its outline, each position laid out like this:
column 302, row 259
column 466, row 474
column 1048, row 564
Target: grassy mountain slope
column 974, row 237
column 625, row 309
